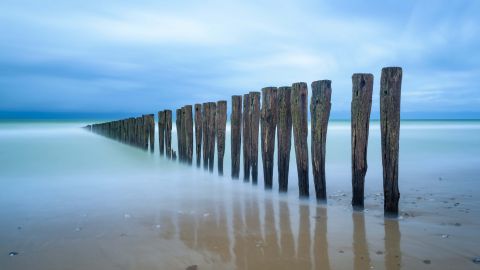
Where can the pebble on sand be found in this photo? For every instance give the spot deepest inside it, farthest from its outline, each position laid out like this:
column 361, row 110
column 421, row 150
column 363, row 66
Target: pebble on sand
column 192, row 267
column 476, row 260
column 12, row 253
column 427, row 261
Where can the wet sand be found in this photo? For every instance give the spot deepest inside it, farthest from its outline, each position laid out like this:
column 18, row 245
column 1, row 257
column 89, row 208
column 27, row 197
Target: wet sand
column 153, row 214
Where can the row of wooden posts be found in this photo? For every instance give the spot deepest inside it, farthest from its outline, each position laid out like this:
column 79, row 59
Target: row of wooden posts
column 280, row 110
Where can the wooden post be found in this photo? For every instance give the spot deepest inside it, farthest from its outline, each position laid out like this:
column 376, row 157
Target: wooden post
column 254, row 123
column 284, row 134
column 198, row 132
column 300, row 134
column 138, row 132
column 246, row 138
column 168, row 133
column 390, row 88
column 320, row 113
column 362, row 87
column 268, row 129
column 145, row 132
column 161, row 132
column 211, row 135
column 206, row 146
column 189, row 133
column 178, row 123
column 183, row 136
column 221, row 125
column 236, row 136
column 151, row 119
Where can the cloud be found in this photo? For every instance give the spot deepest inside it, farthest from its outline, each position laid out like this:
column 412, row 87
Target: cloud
column 148, row 55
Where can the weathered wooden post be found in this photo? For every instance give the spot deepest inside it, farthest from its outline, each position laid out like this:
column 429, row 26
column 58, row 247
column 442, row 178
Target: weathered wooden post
column 300, row 134
column 183, row 136
column 178, row 123
column 221, row 125
column 198, row 132
column 362, row 87
column 254, row 123
column 189, row 133
column 145, row 132
column 138, row 132
column 206, row 145
column 246, row 138
column 211, row 135
column 151, row 119
column 268, row 129
column 161, row 132
column 390, row 93
column 168, row 133
column 236, row 136
column 320, row 113
column 284, row 134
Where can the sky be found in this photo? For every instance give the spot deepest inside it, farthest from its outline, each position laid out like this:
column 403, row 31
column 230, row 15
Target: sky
column 127, row 57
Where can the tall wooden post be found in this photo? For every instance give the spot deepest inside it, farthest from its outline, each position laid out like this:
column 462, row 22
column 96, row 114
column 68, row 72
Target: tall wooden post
column 220, row 125
column 320, row 113
column 198, row 133
column 268, row 129
column 189, row 133
column 183, row 136
column 168, row 133
column 178, row 122
column 161, row 132
column 300, row 134
column 236, row 136
column 151, row 118
column 206, row 145
column 284, row 132
column 390, row 88
column 211, row 135
column 254, row 124
column 246, row 138
column 362, row 87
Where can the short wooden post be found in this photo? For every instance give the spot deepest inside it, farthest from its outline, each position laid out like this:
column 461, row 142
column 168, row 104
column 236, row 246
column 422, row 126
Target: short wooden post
column 300, row 134
column 390, row 93
column 161, row 132
column 221, row 125
column 211, row 135
column 189, row 133
column 206, row 146
column 284, row 134
column 168, row 133
column 198, row 133
column 268, row 129
column 246, row 138
column 320, row 114
column 151, row 134
column 362, row 87
column 178, row 123
column 236, row 136
column 254, row 129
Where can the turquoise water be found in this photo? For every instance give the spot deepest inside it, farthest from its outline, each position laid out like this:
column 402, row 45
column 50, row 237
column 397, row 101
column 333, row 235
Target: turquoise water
column 429, row 150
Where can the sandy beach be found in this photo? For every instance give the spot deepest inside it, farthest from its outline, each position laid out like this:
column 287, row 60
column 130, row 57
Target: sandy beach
column 75, row 200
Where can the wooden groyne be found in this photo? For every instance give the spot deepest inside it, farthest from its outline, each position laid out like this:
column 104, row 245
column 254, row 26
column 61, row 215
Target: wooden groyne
column 268, row 129
column 390, row 88
column 362, row 88
column 300, row 134
column 284, row 136
column 273, row 114
column 236, row 135
column 320, row 114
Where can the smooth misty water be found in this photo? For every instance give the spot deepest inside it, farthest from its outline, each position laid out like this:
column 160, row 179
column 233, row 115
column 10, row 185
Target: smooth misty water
column 73, row 198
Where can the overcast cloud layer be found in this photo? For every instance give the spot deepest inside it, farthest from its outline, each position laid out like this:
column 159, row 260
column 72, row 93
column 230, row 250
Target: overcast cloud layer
column 142, row 56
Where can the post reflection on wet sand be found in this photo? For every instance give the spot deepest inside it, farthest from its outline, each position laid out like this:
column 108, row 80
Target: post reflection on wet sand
column 393, row 254
column 320, row 246
column 360, row 244
column 258, row 233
